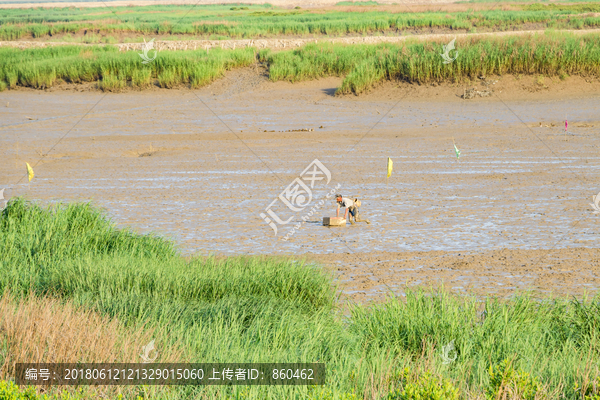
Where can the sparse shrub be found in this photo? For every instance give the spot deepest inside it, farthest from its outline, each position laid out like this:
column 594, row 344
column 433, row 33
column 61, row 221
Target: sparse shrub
column 517, row 384
column 10, row 391
column 588, row 390
column 423, row 387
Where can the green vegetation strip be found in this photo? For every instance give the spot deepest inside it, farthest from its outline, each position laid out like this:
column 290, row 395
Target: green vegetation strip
column 362, row 66
column 42, row 68
column 97, row 25
column 257, row 309
column 365, row 66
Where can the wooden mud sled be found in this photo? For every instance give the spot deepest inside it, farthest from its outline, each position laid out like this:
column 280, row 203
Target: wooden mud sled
column 334, row 221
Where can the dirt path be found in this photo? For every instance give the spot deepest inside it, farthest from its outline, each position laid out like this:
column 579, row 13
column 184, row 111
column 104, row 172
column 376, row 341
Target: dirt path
column 200, row 167
column 283, row 44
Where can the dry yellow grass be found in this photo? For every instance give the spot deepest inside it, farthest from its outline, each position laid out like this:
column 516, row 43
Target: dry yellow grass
column 51, row 331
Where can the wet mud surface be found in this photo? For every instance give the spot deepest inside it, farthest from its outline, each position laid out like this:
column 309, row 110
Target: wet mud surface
column 201, row 166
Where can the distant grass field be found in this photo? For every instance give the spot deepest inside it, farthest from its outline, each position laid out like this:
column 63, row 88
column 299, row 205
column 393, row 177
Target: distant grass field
column 262, row 309
column 109, row 25
column 522, row 1
column 356, row 3
column 361, row 66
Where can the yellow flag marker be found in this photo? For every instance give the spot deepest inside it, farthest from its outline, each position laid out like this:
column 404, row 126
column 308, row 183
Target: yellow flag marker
column 390, row 167
column 30, row 173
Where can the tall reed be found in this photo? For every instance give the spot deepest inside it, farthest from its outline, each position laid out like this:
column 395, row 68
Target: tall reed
column 114, row 70
column 363, row 66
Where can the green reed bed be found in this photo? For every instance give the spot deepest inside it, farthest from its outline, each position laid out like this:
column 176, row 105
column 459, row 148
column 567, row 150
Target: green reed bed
column 363, row 66
column 263, row 21
column 113, row 70
column 264, row 309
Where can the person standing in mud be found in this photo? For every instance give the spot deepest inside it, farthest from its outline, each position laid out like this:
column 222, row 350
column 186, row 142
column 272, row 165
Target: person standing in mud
column 351, row 207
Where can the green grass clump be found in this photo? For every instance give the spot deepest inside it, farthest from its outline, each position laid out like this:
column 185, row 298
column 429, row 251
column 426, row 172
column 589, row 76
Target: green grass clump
column 504, row 378
column 85, row 243
column 114, row 70
column 112, row 83
column 423, row 386
column 141, row 78
column 268, row 309
column 363, row 66
column 498, row 340
column 32, row 234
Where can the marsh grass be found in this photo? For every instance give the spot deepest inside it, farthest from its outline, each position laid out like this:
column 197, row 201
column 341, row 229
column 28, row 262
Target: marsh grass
column 114, row 70
column 111, row 83
column 141, row 78
column 93, row 24
column 85, row 272
column 363, row 66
